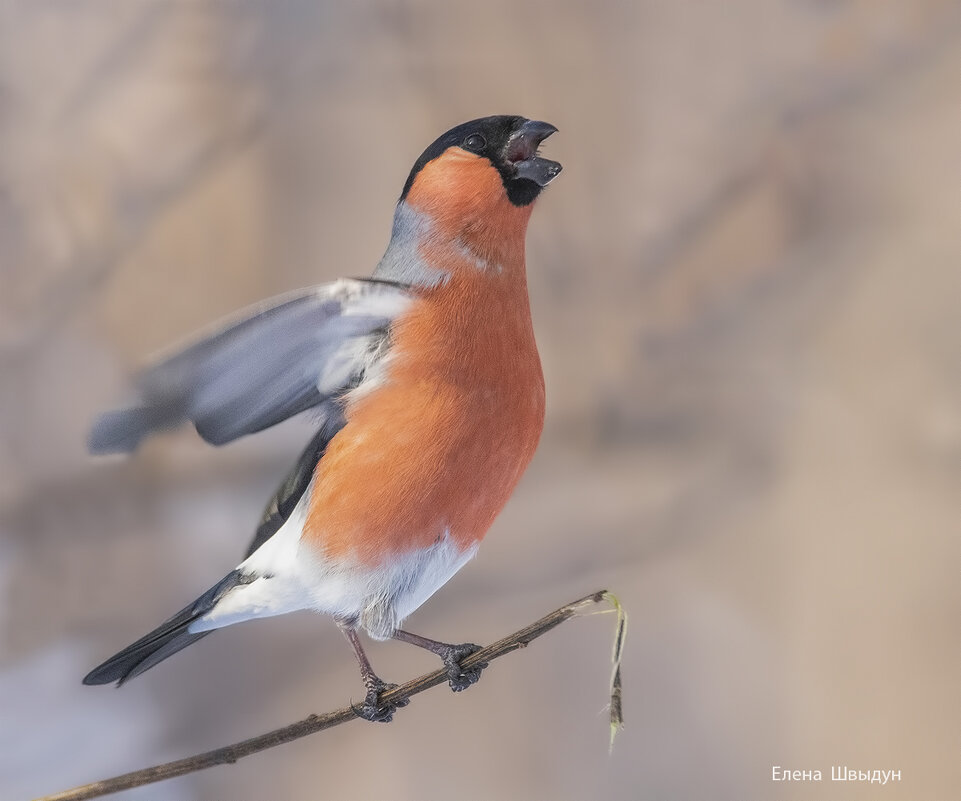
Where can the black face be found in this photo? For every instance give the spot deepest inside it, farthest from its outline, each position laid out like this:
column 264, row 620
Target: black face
column 510, row 143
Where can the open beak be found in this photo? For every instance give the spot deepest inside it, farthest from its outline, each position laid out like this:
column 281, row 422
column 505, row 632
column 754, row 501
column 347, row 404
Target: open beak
column 522, row 153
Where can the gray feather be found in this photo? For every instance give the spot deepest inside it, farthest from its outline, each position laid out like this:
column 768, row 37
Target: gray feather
column 261, row 369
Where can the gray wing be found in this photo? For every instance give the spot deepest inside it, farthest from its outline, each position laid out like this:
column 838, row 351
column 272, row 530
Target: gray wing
column 294, row 353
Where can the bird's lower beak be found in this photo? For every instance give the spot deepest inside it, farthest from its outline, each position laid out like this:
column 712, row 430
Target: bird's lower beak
column 522, row 153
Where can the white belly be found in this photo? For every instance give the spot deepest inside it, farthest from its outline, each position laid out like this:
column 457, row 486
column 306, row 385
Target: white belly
column 290, row 578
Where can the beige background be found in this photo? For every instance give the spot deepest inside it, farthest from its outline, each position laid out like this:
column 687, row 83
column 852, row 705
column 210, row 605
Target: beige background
column 746, row 293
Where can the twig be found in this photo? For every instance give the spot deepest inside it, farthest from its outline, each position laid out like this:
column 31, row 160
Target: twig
column 314, row 723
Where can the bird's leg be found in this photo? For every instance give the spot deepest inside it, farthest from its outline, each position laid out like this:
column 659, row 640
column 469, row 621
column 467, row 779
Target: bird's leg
column 372, row 709
column 459, row 678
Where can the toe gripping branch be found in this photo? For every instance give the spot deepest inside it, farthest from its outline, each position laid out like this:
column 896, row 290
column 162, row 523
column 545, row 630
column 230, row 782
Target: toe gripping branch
column 384, row 701
column 380, row 709
column 374, row 708
column 458, row 677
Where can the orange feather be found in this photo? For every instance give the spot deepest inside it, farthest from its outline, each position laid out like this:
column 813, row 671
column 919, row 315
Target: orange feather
column 441, row 443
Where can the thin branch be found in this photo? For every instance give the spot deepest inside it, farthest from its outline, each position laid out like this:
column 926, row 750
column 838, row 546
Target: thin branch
column 314, row 723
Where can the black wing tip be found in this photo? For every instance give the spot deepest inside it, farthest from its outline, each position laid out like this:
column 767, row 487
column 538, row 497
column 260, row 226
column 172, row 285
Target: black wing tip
column 130, row 661
column 126, row 664
column 141, row 656
column 104, row 674
column 164, row 641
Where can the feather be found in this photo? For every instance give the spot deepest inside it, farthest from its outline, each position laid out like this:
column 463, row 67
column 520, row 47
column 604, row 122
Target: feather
column 166, row 639
column 271, row 364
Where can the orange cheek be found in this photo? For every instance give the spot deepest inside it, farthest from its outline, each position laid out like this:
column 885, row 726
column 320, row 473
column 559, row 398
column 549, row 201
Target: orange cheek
column 464, row 197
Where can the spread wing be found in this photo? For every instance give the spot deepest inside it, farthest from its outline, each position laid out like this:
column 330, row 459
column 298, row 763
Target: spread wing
column 294, row 353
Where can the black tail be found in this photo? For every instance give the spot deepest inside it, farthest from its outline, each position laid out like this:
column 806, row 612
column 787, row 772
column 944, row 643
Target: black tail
column 166, row 640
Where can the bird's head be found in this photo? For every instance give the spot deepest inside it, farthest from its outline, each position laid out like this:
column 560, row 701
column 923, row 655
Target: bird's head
column 496, row 154
column 483, row 175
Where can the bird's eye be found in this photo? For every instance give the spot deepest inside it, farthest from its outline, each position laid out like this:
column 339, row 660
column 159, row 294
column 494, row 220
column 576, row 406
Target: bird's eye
column 475, row 143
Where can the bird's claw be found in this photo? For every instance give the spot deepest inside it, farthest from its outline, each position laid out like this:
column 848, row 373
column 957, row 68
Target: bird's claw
column 374, row 709
column 459, row 678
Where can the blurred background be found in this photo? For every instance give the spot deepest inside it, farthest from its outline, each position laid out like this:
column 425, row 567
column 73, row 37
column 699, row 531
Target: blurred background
column 745, row 287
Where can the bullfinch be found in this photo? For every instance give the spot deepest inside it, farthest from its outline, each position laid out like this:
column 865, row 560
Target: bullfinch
column 426, row 388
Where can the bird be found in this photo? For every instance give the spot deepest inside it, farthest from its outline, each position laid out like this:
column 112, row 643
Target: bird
column 426, row 390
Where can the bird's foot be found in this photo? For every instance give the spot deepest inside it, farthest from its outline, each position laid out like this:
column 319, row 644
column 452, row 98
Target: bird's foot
column 459, row 678
column 374, row 709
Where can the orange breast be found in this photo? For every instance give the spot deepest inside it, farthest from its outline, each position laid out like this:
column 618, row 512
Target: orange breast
column 442, row 442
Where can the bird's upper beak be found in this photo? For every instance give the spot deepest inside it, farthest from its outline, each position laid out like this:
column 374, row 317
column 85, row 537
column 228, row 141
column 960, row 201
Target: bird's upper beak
column 522, row 153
